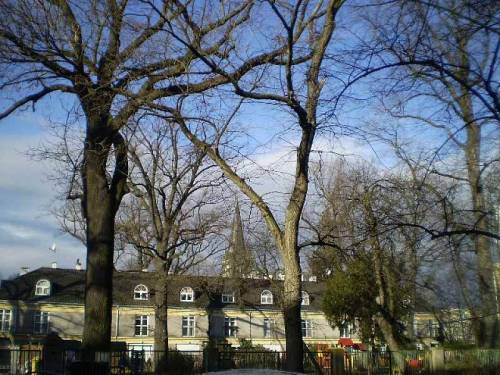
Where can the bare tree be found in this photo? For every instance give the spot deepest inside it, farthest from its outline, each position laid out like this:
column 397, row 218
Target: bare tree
column 354, row 233
column 175, row 214
column 448, row 81
column 307, row 30
column 173, row 220
column 114, row 57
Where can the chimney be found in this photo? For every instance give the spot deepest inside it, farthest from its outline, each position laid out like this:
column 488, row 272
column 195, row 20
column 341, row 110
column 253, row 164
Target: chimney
column 24, row 270
column 78, row 265
column 53, row 265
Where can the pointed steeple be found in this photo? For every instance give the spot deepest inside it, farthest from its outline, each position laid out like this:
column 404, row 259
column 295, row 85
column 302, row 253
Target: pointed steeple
column 237, row 240
column 238, row 261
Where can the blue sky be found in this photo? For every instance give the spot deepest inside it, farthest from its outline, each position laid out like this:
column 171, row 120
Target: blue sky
column 27, row 229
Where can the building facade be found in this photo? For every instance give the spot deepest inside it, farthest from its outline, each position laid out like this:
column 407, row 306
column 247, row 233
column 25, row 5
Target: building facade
column 50, row 302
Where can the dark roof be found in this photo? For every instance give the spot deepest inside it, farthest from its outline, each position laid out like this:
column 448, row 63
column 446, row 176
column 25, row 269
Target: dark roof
column 68, row 286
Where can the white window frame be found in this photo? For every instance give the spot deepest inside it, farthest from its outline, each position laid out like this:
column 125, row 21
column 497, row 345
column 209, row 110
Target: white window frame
column 141, row 292
column 304, row 299
column 268, row 326
column 139, row 328
column 42, row 287
column 188, row 323
column 345, row 330
column 5, row 320
column 228, row 297
column 186, row 294
column 41, row 322
column 266, row 297
column 230, row 326
column 307, row 328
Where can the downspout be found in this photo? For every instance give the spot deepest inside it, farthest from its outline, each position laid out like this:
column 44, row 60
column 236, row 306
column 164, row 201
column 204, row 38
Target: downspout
column 117, row 323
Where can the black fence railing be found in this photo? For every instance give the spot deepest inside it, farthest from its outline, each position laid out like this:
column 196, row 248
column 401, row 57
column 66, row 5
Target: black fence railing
column 143, row 362
column 424, row 362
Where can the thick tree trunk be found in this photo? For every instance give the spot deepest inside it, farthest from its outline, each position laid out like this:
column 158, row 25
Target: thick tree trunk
column 387, row 331
column 384, row 283
column 99, row 211
column 488, row 331
column 102, row 195
column 161, row 320
column 291, row 308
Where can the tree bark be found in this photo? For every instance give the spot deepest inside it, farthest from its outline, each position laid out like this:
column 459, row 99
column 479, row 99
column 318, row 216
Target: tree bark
column 291, row 310
column 487, row 327
column 383, row 280
column 99, row 213
column 387, row 330
column 102, row 195
column 161, row 317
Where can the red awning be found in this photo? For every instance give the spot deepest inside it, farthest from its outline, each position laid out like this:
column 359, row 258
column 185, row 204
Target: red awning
column 359, row 346
column 345, row 341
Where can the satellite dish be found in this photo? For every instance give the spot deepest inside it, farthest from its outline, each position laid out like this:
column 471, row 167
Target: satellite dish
column 53, row 247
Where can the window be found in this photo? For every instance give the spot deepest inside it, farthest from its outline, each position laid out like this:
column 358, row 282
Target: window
column 42, row 288
column 188, row 324
column 305, row 299
column 268, row 326
column 141, row 292
column 40, row 322
column 141, row 325
column 230, row 327
column 346, row 329
column 307, row 328
column 266, row 298
column 187, row 294
column 432, row 328
column 228, row 298
column 5, row 316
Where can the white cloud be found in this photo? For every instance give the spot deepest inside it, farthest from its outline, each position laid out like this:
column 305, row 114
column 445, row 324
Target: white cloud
column 20, row 231
column 27, row 230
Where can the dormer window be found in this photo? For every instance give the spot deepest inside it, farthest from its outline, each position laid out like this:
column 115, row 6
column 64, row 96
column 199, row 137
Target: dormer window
column 141, row 292
column 42, row 288
column 305, row 299
column 228, row 297
column 266, row 298
column 187, row 294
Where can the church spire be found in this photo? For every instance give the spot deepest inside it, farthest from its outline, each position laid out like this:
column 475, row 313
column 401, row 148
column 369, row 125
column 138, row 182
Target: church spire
column 238, row 261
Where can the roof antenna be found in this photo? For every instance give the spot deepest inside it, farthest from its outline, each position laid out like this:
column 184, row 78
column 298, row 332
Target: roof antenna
column 53, row 247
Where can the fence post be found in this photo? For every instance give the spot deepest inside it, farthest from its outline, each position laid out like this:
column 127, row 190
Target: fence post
column 437, row 360
column 338, row 367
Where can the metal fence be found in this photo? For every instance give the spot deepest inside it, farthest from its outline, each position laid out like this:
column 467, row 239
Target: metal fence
column 142, row 362
column 424, row 362
column 476, row 361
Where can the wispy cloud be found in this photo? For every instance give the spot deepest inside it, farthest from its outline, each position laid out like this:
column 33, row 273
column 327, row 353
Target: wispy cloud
column 27, row 229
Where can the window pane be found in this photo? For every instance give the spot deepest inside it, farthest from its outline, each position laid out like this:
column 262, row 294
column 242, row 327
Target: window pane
column 141, row 325
column 230, row 327
column 188, row 325
column 267, row 327
column 5, row 320
column 307, row 329
column 40, row 322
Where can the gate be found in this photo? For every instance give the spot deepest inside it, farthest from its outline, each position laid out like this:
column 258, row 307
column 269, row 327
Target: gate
column 376, row 363
column 319, row 363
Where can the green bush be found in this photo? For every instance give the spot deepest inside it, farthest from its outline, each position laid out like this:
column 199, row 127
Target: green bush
column 179, row 364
